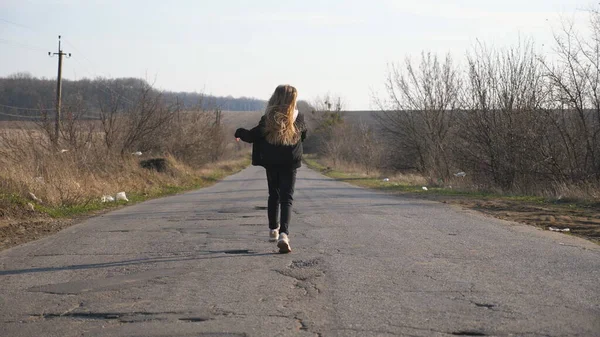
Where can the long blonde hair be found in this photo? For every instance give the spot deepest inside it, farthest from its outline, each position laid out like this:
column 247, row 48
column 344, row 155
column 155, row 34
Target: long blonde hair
column 279, row 117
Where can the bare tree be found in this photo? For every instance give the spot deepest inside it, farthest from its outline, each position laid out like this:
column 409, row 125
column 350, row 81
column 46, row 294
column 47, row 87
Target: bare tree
column 112, row 106
column 136, row 125
column 367, row 149
column 418, row 115
column 78, row 129
column 335, row 143
column 499, row 129
column 324, row 116
column 575, row 106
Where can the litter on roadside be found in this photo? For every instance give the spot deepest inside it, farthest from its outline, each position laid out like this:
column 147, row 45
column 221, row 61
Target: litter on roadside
column 460, row 174
column 554, row 229
column 121, row 196
column 386, row 179
column 34, row 198
column 107, row 198
column 425, row 188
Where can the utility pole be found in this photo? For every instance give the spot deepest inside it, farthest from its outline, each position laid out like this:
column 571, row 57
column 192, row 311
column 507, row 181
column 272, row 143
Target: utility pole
column 58, row 89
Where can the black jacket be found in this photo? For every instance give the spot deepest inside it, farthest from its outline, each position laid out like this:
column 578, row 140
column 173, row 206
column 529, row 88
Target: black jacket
column 269, row 155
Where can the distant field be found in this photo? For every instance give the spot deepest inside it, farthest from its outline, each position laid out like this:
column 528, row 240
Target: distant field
column 231, row 119
column 241, row 119
column 367, row 117
column 251, row 118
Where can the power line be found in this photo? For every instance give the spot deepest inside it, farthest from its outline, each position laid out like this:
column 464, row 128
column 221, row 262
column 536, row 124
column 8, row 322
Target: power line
column 26, row 109
column 22, row 45
column 31, row 47
column 20, row 116
column 95, row 74
column 38, row 117
column 17, row 24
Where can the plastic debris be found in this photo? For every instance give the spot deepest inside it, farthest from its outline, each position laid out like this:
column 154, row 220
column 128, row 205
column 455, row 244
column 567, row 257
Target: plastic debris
column 121, row 196
column 34, row 198
column 107, row 198
column 39, row 180
column 425, row 188
column 554, row 229
column 64, row 150
column 137, row 153
column 30, row 206
column 386, row 179
column 460, row 174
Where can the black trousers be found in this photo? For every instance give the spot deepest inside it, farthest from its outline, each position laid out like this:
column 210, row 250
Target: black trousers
column 281, row 183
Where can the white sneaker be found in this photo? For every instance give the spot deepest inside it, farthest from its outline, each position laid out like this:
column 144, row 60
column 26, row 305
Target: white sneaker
column 274, row 234
column 284, row 244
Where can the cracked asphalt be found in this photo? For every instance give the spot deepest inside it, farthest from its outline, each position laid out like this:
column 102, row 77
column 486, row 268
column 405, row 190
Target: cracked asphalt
column 364, row 263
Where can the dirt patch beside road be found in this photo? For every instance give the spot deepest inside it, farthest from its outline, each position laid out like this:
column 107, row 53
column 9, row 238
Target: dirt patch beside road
column 18, row 224
column 582, row 221
column 16, row 232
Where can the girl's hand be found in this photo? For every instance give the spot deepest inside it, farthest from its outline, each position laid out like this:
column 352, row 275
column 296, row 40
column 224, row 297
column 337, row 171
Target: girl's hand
column 237, row 139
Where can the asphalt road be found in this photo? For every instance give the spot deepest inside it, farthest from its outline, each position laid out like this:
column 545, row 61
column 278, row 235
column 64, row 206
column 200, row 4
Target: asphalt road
column 363, row 264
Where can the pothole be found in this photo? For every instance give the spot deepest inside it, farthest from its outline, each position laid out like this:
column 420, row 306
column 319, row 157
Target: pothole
column 84, row 315
column 468, row 333
column 220, row 334
column 122, row 317
column 305, row 263
column 194, row 319
column 231, row 211
column 237, row 251
column 484, row 305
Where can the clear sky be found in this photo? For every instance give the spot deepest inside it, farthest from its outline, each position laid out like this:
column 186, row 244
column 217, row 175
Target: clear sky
column 246, row 48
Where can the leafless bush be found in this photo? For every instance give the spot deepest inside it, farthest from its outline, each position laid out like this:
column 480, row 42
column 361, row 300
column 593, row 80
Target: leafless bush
column 321, row 117
column 132, row 126
column 501, row 126
column 336, row 142
column 365, row 148
column 356, row 145
column 418, row 116
column 574, row 108
column 195, row 138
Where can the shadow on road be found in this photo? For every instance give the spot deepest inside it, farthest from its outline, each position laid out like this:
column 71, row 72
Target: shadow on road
column 209, row 255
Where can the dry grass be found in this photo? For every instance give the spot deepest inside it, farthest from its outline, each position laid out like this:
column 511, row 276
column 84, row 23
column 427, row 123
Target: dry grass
column 358, row 171
column 30, row 163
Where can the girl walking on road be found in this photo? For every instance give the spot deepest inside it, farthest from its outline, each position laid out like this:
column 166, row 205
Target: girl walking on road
column 277, row 146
